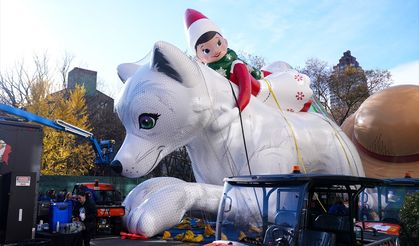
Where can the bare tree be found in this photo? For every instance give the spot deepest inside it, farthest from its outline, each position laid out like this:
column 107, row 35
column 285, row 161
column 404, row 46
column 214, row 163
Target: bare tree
column 378, row 79
column 342, row 92
column 319, row 73
column 348, row 89
column 64, row 67
column 177, row 164
column 253, row 60
column 16, row 83
column 41, row 72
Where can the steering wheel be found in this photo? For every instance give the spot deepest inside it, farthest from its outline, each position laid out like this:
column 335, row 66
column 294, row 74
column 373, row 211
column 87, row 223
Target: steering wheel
column 278, row 235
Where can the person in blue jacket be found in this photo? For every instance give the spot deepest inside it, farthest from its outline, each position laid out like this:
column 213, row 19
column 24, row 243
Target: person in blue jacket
column 338, row 208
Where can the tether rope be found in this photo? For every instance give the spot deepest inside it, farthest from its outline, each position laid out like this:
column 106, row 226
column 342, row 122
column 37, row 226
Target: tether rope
column 297, row 148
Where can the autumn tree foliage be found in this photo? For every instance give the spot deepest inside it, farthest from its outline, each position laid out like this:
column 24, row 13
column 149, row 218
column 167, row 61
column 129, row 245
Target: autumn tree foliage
column 29, row 86
column 63, row 153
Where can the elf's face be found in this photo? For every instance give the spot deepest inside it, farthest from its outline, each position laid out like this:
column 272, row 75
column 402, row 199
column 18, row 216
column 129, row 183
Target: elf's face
column 213, row 50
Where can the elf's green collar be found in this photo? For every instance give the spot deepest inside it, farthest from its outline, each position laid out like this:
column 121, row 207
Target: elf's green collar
column 225, row 62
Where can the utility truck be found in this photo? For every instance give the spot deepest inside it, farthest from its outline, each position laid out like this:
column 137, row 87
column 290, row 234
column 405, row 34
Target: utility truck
column 108, row 205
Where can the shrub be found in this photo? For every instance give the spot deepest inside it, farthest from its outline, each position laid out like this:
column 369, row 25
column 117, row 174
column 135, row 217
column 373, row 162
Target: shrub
column 409, row 220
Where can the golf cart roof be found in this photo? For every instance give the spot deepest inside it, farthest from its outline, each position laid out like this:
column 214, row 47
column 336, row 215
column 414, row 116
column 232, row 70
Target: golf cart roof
column 401, row 182
column 298, row 179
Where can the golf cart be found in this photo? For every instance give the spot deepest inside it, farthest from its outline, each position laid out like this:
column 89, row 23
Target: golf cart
column 294, row 209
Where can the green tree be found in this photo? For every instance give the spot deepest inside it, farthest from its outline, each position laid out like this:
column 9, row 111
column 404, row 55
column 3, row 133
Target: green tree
column 63, row 153
column 409, row 220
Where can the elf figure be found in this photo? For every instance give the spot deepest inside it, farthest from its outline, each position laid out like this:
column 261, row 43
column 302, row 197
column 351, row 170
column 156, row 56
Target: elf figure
column 275, row 84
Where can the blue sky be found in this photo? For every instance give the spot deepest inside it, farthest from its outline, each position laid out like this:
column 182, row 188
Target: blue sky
column 101, row 34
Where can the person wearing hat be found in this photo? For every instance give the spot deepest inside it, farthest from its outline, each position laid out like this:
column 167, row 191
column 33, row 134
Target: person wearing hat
column 211, row 48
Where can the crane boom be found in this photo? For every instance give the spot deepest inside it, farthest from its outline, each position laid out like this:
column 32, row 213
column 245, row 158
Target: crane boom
column 103, row 149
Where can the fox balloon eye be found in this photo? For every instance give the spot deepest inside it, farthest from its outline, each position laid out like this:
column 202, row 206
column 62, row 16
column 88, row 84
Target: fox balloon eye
column 147, row 120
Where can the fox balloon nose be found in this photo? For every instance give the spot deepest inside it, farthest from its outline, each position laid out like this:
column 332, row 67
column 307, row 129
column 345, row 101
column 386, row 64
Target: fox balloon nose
column 116, row 166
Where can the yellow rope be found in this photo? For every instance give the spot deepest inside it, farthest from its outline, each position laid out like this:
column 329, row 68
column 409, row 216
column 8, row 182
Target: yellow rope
column 299, row 156
column 344, row 150
column 318, row 200
column 338, row 136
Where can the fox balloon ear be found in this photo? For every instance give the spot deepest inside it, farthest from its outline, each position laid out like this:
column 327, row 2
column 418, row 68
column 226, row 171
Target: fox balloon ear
column 161, row 64
column 172, row 62
column 126, row 70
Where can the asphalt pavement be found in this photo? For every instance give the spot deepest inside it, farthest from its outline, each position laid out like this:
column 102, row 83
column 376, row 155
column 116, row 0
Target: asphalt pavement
column 112, row 241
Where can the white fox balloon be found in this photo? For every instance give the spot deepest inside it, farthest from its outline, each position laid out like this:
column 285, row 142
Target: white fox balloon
column 171, row 101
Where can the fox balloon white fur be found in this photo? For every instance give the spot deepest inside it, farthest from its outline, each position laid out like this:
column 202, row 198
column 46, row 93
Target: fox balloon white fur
column 170, row 100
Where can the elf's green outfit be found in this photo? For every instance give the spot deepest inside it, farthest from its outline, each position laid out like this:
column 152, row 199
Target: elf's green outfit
column 224, row 64
column 244, row 76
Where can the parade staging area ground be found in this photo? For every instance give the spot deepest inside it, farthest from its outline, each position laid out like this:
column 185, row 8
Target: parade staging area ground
column 110, row 241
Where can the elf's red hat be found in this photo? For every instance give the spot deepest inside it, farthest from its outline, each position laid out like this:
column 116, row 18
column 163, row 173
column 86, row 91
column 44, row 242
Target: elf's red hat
column 196, row 24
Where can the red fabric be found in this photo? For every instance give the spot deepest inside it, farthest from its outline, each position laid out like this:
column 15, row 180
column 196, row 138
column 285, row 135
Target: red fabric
column 242, row 78
column 265, row 73
column 133, row 236
column 192, row 15
column 388, row 158
column 5, row 157
column 307, row 106
column 255, row 86
column 217, row 244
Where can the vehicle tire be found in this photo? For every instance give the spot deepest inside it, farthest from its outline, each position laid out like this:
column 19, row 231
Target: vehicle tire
column 116, row 226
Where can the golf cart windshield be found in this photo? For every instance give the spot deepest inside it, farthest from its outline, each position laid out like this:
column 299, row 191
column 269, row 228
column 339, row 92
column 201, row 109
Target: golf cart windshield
column 247, row 213
column 383, row 203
